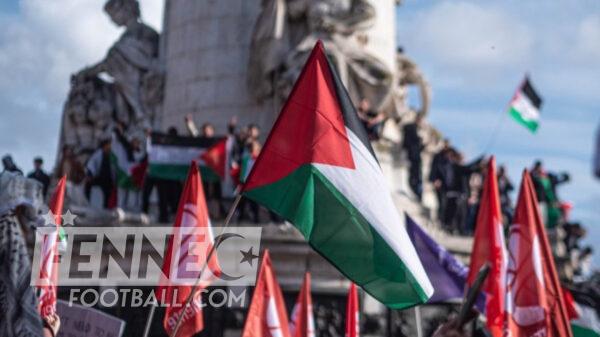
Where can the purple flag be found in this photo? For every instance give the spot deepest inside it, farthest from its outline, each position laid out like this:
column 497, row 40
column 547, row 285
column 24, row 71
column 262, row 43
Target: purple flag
column 447, row 274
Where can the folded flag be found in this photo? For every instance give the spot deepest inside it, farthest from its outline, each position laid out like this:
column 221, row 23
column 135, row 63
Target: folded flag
column 448, row 275
column 525, row 106
column 535, row 305
column 49, row 252
column 169, row 156
column 489, row 247
column 352, row 313
column 266, row 316
column 302, row 322
column 318, row 171
column 191, row 213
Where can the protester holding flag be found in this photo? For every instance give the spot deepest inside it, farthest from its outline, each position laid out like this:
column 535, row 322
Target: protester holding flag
column 318, row 171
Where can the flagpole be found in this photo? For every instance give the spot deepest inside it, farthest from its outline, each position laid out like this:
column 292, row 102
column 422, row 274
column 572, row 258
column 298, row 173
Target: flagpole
column 149, row 319
column 210, row 254
column 419, row 321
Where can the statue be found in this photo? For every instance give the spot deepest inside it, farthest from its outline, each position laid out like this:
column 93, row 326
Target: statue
column 287, row 30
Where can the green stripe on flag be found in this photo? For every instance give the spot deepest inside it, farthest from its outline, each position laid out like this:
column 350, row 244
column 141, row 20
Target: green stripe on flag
column 179, row 172
column 579, row 331
column 340, row 233
column 530, row 124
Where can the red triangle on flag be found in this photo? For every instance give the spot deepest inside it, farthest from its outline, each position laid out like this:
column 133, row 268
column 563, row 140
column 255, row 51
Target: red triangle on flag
column 266, row 316
column 309, row 129
column 215, row 157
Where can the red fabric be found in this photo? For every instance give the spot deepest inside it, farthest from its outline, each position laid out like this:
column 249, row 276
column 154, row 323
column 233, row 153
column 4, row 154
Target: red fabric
column 192, row 212
column 352, row 313
column 302, row 321
column 266, row 316
column 533, row 281
column 215, row 157
column 138, row 173
column 489, row 247
column 570, row 304
column 309, row 129
column 47, row 302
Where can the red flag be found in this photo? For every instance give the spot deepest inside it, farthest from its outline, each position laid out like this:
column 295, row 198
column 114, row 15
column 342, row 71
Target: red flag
column 48, row 267
column 572, row 311
column 178, row 262
column 215, row 157
column 489, row 247
column 302, row 323
column 535, row 303
column 352, row 313
column 266, row 316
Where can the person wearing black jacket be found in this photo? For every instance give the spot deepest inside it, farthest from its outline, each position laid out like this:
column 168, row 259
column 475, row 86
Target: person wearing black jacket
column 39, row 174
column 413, row 144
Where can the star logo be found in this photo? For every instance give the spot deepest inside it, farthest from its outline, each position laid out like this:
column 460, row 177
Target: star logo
column 248, row 256
column 68, row 218
column 49, row 218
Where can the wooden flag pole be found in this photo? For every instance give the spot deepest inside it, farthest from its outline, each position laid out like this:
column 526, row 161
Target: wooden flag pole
column 210, row 254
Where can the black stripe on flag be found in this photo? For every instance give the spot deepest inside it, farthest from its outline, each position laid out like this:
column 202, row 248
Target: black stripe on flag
column 348, row 110
column 181, row 141
column 533, row 96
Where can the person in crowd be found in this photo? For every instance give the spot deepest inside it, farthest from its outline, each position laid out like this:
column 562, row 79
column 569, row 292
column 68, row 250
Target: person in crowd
column 101, row 173
column 9, row 164
column 39, row 174
column 413, row 145
column 475, row 188
column 438, row 173
column 545, row 184
column 249, row 156
column 505, row 187
column 20, row 202
column 371, row 119
column 71, row 166
column 208, row 131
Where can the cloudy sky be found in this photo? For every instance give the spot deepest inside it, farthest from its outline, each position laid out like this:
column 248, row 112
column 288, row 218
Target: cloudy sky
column 474, row 54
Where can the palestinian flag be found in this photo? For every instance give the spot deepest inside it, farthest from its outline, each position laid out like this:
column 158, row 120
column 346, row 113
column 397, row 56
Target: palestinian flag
column 525, row 106
column 130, row 174
column 587, row 324
column 318, row 171
column 169, row 156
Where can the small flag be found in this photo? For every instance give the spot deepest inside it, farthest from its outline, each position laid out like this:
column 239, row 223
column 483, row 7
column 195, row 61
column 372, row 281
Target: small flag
column 318, row 171
column 572, row 312
column 489, row 247
column 535, row 304
column 266, row 316
column 525, row 106
column 49, row 267
column 192, row 212
column 352, row 313
column 169, row 156
column 302, row 322
column 587, row 324
column 218, row 159
column 130, row 174
column 447, row 274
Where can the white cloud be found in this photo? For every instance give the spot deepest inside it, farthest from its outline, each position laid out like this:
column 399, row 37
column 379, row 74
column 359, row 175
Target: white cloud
column 41, row 45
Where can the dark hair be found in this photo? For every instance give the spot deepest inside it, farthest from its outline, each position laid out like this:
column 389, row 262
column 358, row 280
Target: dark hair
column 38, row 160
column 172, row 131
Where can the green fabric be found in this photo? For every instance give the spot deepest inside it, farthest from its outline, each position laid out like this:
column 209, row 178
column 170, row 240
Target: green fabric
column 179, row 172
column 341, row 234
column 579, row 331
column 529, row 124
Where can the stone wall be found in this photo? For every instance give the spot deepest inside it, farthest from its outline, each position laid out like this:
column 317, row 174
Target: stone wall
column 206, row 49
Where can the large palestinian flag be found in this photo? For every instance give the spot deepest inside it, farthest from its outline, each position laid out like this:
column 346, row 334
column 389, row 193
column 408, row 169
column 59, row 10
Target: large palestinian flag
column 318, row 171
column 169, row 156
column 525, row 106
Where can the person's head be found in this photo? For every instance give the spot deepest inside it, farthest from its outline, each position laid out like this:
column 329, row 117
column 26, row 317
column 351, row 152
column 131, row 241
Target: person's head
column 445, row 143
column 172, row 131
column 8, row 163
column 537, row 166
column 38, row 162
column 419, row 119
column 501, row 170
column 67, row 150
column 122, row 12
column 208, row 130
column 253, row 131
column 106, row 145
column 364, row 105
column 136, row 144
